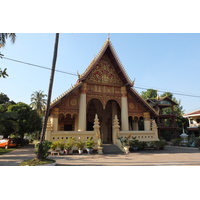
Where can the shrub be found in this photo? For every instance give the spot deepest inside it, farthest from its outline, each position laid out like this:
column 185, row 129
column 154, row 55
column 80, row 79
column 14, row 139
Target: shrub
column 46, row 145
column 89, row 143
column 142, row 145
column 176, row 142
column 80, row 145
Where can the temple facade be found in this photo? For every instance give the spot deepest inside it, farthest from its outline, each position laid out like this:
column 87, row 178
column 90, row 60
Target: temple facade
column 104, row 90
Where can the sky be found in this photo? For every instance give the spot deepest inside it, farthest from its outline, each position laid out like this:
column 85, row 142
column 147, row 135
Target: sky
column 163, row 61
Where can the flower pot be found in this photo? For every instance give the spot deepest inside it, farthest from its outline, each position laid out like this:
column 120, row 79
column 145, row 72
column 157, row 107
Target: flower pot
column 67, row 151
column 80, row 151
column 134, row 148
column 71, row 151
column 62, row 152
column 89, row 150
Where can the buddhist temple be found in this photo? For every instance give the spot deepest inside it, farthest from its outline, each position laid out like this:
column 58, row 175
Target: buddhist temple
column 105, row 93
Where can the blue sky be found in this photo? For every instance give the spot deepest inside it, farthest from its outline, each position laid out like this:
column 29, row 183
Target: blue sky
column 163, row 61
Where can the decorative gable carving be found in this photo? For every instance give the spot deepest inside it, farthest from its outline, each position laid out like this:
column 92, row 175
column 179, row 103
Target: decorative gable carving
column 104, row 72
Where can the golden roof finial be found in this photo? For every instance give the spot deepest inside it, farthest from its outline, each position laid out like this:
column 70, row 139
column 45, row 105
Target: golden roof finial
column 108, row 36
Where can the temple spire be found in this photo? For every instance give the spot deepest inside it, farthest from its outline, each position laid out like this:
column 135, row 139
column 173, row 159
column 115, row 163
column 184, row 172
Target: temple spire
column 109, row 36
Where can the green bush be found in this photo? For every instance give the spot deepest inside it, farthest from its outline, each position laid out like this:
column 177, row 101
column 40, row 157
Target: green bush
column 89, row 143
column 142, row 145
column 46, row 145
column 176, row 141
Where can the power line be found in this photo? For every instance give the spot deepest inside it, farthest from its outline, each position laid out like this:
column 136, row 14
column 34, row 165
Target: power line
column 189, row 95
column 39, row 66
column 73, row 74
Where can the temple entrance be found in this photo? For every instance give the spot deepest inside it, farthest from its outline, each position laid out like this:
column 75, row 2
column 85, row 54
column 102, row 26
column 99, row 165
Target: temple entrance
column 105, row 116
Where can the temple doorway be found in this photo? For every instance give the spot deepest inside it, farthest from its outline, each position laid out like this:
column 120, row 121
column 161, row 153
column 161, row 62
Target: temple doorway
column 105, row 116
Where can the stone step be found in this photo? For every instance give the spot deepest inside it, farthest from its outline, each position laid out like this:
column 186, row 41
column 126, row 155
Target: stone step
column 111, row 149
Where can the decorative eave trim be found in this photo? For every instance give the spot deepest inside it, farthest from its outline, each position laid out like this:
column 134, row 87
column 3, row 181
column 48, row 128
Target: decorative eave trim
column 65, row 94
column 130, row 83
column 94, row 61
column 98, row 57
column 143, row 101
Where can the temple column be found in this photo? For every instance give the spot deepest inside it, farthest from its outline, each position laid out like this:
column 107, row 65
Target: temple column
column 82, row 109
column 147, row 125
column 124, row 110
column 114, row 109
column 76, row 122
column 54, row 118
column 135, row 125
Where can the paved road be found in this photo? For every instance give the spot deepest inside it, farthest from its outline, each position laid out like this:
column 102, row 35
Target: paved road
column 14, row 158
column 170, row 156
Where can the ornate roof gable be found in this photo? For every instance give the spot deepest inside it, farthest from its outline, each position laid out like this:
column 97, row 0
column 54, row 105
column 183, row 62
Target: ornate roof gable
column 104, row 72
column 106, row 68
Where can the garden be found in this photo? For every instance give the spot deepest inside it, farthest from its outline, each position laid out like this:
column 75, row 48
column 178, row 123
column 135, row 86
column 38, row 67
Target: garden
column 60, row 147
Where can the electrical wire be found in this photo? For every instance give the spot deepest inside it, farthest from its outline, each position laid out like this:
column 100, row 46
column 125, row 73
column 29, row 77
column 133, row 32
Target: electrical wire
column 69, row 73
column 39, row 66
column 189, row 95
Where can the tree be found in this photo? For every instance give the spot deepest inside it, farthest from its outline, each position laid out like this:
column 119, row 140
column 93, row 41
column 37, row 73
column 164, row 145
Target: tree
column 4, row 98
column 8, row 124
column 3, row 73
column 41, row 151
column 38, row 102
column 28, row 120
column 3, row 37
column 149, row 94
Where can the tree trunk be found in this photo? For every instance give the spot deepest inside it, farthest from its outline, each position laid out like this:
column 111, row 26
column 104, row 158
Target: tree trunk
column 40, row 151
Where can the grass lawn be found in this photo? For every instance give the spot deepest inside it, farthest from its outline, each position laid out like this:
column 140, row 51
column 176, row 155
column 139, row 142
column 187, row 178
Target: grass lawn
column 3, row 151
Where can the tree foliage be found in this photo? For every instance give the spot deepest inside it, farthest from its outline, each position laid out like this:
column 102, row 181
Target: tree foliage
column 28, row 120
column 3, row 38
column 8, row 125
column 149, row 94
column 17, row 118
column 38, row 102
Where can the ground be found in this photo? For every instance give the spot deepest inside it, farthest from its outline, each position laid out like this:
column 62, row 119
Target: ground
column 170, row 156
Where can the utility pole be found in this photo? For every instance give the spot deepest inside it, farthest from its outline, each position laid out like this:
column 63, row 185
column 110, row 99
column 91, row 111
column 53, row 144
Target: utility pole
column 40, row 150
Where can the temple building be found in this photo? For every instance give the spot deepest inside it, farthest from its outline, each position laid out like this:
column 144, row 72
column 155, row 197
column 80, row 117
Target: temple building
column 166, row 121
column 104, row 90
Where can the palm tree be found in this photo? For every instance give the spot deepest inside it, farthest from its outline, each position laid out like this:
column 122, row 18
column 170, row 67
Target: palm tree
column 38, row 102
column 4, row 36
column 40, row 153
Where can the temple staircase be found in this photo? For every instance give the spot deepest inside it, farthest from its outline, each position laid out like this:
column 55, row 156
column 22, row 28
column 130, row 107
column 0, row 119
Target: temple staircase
column 111, row 149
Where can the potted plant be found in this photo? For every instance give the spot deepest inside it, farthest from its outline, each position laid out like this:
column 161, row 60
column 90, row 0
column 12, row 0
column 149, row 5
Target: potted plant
column 68, row 148
column 134, row 144
column 89, row 145
column 80, row 145
column 61, row 145
column 54, row 145
column 142, row 145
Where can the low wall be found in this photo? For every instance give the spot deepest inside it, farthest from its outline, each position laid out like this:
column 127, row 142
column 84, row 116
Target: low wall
column 77, row 135
column 140, row 135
